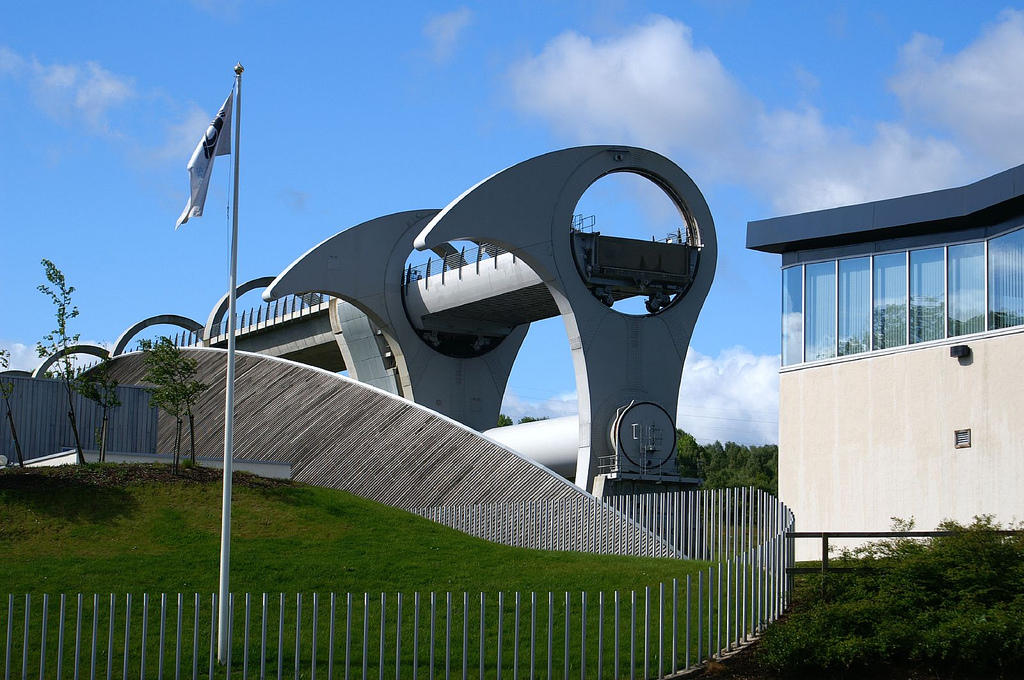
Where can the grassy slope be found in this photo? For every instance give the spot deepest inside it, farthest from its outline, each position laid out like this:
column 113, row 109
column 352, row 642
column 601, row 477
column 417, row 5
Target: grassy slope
column 132, row 529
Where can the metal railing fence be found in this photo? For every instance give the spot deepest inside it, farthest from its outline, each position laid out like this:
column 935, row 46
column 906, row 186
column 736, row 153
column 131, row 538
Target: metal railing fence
column 651, row 633
column 713, row 524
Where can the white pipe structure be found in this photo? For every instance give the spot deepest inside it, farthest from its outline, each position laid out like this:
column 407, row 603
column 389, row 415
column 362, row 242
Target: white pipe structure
column 553, row 443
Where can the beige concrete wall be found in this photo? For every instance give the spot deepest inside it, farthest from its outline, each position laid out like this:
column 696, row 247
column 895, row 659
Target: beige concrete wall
column 867, row 439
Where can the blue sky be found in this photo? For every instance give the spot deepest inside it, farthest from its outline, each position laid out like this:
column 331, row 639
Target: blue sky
column 355, row 110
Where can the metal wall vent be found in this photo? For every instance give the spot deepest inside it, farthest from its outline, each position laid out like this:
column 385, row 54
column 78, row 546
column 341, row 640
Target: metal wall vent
column 962, row 438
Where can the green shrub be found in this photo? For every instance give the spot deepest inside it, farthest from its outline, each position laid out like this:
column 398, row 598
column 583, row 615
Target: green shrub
column 954, row 603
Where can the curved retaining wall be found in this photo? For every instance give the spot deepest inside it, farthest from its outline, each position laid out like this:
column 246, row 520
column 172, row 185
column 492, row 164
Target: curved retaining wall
column 343, row 434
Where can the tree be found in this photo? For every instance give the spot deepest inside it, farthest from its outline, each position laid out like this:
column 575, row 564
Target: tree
column 98, row 386
column 59, row 342
column 689, row 455
column 7, row 389
column 174, row 390
column 504, row 420
column 531, row 419
column 728, row 465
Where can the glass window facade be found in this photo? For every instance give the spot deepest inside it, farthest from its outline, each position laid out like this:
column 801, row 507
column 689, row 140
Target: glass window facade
column 854, row 306
column 1006, row 281
column 820, row 329
column 966, row 289
column 927, row 294
column 850, row 306
column 890, row 301
column 792, row 315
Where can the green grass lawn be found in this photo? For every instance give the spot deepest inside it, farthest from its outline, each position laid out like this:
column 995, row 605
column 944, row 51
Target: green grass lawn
column 108, row 528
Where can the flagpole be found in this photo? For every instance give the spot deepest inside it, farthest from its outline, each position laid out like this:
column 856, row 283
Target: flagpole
column 224, row 598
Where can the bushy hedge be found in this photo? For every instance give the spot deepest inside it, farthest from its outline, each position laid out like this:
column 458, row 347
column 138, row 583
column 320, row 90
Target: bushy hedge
column 952, row 604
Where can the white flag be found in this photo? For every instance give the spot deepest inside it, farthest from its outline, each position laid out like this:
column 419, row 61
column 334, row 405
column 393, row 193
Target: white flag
column 216, row 142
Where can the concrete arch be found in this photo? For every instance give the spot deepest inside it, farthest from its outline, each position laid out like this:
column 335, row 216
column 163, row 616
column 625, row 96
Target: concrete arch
column 364, row 266
column 169, row 319
column 221, row 308
column 94, row 350
column 619, row 359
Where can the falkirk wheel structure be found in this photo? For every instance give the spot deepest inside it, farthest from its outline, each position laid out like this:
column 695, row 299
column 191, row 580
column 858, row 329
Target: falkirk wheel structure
column 446, row 335
column 453, row 334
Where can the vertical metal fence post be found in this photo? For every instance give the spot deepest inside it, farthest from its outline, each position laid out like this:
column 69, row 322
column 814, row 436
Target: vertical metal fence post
column 647, row 631
column 718, row 612
column 615, row 619
column 398, row 638
column 551, row 631
column 263, row 637
column 163, row 633
column 675, row 625
column 415, row 634
column 298, row 633
column 348, row 634
column 661, row 630
column 95, row 631
column 483, row 636
column 383, row 616
column 600, row 634
column 465, row 636
column 312, row 656
column 583, row 635
column 60, row 635
column 145, row 634
column 245, row 636
column 515, row 637
column 700, row 616
column 195, row 638
column 447, row 636
column 366, row 634
column 686, row 662
column 213, row 631
column 330, row 637
column 501, row 625
column 42, row 639
column 127, row 633
column 433, row 627
column 632, row 635
column 566, row 677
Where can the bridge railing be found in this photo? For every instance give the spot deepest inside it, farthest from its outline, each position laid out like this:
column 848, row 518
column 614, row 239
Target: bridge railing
column 478, row 255
column 475, row 255
column 286, row 308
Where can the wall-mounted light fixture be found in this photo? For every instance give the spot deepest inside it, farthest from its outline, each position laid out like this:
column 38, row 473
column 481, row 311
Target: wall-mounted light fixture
column 960, row 351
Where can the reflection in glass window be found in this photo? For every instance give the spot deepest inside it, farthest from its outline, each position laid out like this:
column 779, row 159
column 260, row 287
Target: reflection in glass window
column 854, row 306
column 820, row 332
column 1006, row 280
column 927, row 295
column 792, row 315
column 890, row 304
column 966, row 289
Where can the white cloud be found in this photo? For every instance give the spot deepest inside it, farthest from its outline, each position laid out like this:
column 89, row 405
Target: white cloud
column 515, row 406
column 734, row 396
column 22, row 357
column 84, row 93
column 26, row 358
column 444, row 31
column 180, row 137
column 977, row 93
column 652, row 86
column 731, row 397
column 804, row 164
